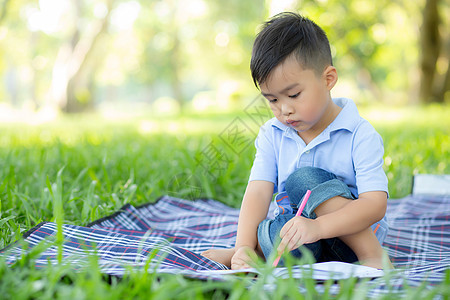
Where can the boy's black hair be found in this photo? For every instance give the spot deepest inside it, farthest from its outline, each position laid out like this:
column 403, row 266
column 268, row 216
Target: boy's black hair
column 285, row 34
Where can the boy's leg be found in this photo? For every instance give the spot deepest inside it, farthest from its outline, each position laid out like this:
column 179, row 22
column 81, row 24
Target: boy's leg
column 328, row 195
column 364, row 243
column 323, row 185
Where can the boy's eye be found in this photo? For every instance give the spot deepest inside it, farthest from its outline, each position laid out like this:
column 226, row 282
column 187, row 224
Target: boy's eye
column 273, row 100
column 294, row 96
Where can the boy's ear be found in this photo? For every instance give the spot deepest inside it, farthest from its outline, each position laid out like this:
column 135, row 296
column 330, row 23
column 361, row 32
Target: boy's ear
column 330, row 76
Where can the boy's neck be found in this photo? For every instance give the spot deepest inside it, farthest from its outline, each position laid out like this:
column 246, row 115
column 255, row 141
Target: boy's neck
column 328, row 117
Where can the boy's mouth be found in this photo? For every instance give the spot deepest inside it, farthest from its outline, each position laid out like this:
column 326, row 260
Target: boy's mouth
column 292, row 122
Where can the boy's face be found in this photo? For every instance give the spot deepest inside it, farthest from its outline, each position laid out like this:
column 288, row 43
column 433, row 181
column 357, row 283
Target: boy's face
column 299, row 98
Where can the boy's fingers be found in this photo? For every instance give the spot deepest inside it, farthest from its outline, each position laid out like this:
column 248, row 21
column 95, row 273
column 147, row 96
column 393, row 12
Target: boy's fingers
column 285, row 229
column 236, row 266
column 289, row 235
column 295, row 242
column 290, row 242
column 242, row 258
column 239, row 264
column 288, row 232
column 284, row 243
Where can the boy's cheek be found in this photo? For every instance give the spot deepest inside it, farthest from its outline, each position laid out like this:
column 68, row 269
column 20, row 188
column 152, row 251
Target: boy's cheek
column 276, row 112
column 311, row 113
column 274, row 109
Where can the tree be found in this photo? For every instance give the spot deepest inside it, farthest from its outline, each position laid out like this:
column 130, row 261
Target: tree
column 72, row 62
column 4, row 10
column 76, row 53
column 433, row 88
column 192, row 45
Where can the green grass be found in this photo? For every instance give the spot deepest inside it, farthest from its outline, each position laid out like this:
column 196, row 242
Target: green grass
column 82, row 168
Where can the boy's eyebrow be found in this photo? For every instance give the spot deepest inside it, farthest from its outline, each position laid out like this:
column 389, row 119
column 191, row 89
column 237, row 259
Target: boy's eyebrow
column 283, row 90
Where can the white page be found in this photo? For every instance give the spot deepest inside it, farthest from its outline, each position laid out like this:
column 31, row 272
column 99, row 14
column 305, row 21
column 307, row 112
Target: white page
column 320, row 271
column 348, row 270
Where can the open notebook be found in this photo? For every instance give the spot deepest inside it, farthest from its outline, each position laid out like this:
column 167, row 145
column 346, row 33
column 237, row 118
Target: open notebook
column 334, row 270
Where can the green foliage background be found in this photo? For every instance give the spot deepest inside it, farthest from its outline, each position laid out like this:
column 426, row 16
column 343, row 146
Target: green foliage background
column 174, row 48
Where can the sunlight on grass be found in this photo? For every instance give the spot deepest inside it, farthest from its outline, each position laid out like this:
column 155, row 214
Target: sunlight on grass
column 416, row 139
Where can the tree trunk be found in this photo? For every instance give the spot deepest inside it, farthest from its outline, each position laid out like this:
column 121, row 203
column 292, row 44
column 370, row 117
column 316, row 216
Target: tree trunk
column 443, row 89
column 444, row 92
column 430, row 43
column 175, row 76
column 71, row 62
column 175, row 53
column 4, row 12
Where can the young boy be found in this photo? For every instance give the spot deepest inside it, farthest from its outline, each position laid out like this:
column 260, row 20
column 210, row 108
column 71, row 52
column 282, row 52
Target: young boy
column 316, row 143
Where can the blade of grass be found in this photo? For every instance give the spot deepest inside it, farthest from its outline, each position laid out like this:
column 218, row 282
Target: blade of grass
column 58, row 211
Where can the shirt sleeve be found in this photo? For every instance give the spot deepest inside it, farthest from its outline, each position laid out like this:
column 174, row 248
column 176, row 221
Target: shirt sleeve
column 367, row 154
column 265, row 166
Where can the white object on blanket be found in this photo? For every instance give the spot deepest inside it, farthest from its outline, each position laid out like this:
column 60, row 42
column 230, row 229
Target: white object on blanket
column 428, row 184
column 348, row 270
column 335, row 270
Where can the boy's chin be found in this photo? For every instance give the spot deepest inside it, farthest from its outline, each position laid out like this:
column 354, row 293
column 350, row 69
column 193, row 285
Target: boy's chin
column 300, row 127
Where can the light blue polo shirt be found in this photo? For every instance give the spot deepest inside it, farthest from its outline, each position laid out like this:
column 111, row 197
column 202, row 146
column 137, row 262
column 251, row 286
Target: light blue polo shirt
column 349, row 147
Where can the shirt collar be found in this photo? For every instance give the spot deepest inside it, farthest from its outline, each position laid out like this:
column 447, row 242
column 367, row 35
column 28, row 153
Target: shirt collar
column 347, row 118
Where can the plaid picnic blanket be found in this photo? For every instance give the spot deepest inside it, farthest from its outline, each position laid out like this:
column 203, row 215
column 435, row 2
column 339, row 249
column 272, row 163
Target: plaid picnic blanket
column 418, row 240
column 173, row 232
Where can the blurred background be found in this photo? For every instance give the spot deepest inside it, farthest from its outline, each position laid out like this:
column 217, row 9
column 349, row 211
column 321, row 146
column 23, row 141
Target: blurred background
column 169, row 57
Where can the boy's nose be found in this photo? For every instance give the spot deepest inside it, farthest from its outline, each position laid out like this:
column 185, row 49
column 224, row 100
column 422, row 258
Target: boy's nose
column 286, row 110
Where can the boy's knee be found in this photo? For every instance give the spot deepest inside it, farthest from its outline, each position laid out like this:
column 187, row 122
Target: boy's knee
column 268, row 232
column 306, row 178
column 323, row 185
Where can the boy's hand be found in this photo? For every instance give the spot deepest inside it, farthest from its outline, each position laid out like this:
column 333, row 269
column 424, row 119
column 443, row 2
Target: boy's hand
column 298, row 231
column 242, row 257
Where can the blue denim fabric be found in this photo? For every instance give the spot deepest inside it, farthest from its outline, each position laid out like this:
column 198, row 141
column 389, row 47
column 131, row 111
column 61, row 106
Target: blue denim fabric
column 283, row 205
column 323, row 186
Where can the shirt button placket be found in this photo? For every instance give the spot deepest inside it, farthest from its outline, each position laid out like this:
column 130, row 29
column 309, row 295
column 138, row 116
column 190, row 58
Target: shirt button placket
column 306, row 159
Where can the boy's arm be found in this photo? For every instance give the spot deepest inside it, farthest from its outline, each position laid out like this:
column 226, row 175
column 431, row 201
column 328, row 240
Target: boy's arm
column 355, row 216
column 254, row 208
column 370, row 207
